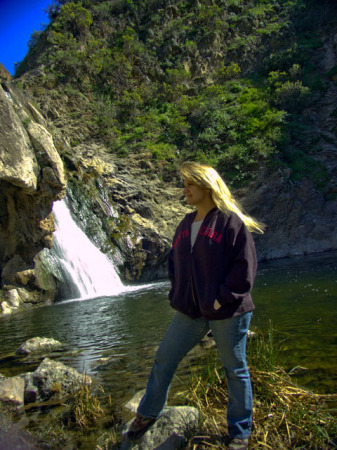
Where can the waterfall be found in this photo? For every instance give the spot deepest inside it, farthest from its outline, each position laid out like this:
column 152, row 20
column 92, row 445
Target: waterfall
column 88, row 271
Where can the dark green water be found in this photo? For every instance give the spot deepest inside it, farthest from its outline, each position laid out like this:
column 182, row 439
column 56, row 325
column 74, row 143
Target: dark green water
column 298, row 295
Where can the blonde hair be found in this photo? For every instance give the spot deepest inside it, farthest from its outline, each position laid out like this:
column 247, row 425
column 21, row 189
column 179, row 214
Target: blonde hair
column 208, row 178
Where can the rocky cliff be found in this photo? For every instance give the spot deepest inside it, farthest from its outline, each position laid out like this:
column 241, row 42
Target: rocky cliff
column 300, row 213
column 31, row 179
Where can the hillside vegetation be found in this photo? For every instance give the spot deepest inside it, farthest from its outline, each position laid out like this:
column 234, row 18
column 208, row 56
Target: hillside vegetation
column 226, row 82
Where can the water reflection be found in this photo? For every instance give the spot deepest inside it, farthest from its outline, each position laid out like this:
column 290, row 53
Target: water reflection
column 299, row 296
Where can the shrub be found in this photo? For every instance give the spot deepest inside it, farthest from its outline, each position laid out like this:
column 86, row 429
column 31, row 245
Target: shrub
column 303, row 165
column 292, row 96
column 73, row 18
column 225, row 73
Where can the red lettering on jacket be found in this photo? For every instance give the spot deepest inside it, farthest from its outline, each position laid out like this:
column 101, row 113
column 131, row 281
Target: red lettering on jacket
column 214, row 235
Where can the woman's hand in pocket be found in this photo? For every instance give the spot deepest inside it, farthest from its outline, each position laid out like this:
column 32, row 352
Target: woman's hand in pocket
column 216, row 305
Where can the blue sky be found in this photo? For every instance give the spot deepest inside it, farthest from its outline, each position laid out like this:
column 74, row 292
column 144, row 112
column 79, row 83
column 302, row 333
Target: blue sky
column 18, row 20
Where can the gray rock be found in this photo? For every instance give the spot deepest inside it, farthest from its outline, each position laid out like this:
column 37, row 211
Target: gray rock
column 31, row 392
column 18, row 164
column 4, row 74
column 6, row 308
column 171, row 431
column 13, row 298
column 38, row 345
column 299, row 220
column 47, row 154
column 133, row 403
column 12, row 391
column 53, row 377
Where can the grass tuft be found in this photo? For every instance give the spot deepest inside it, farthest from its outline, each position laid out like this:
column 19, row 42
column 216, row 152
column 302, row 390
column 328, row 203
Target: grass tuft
column 85, row 408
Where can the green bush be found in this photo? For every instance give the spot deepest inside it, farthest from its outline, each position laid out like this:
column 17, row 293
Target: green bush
column 73, row 18
column 292, row 96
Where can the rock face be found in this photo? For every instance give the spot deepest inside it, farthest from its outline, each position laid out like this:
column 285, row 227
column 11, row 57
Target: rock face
column 31, row 178
column 125, row 209
column 299, row 218
column 4, row 74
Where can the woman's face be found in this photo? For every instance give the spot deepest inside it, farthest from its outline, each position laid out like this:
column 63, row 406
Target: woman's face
column 194, row 194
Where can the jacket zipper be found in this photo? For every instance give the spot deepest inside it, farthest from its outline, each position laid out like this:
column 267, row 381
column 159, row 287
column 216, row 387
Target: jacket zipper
column 193, row 295
column 192, row 285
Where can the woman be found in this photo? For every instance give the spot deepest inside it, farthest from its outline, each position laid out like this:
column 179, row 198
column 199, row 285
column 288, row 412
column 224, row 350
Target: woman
column 212, row 267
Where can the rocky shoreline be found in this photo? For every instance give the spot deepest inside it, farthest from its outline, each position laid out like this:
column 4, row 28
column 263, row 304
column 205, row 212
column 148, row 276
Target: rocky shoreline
column 49, row 386
column 51, row 380
column 44, row 395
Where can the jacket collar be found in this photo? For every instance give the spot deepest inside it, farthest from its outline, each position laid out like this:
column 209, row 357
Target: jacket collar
column 210, row 213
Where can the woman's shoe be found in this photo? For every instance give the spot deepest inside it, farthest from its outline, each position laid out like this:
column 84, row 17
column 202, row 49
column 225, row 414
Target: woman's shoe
column 140, row 424
column 238, row 444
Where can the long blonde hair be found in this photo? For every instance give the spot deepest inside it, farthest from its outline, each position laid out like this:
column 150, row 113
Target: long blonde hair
column 208, row 178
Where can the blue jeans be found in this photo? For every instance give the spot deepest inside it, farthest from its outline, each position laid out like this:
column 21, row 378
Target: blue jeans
column 182, row 335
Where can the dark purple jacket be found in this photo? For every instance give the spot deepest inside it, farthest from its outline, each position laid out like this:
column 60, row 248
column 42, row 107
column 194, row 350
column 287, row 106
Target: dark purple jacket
column 221, row 265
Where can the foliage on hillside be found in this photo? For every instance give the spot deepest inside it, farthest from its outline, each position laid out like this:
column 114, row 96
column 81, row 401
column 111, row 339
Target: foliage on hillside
column 219, row 81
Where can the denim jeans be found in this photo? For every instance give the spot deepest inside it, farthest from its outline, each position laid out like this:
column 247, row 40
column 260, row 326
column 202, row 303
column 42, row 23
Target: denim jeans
column 182, row 335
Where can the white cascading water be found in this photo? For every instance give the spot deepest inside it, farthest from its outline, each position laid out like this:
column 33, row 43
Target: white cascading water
column 90, row 270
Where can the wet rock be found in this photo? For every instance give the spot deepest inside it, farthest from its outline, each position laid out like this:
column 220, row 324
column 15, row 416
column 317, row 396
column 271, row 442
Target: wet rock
column 38, row 345
column 51, row 380
column 13, row 298
column 6, row 308
column 12, row 391
column 31, row 392
column 53, row 377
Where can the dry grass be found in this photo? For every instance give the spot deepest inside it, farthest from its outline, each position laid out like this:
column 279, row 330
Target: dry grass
column 85, row 407
column 286, row 416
